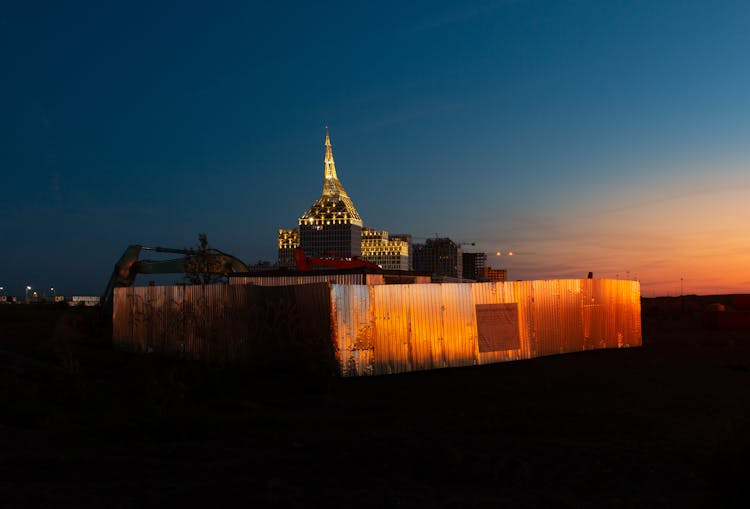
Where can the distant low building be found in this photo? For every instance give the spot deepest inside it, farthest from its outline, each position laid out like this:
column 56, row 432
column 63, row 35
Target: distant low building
column 83, row 300
column 490, row 274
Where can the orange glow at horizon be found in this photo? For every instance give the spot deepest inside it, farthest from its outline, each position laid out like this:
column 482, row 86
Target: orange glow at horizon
column 694, row 232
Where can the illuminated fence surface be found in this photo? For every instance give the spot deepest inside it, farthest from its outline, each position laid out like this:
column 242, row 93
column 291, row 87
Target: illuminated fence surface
column 378, row 329
column 399, row 328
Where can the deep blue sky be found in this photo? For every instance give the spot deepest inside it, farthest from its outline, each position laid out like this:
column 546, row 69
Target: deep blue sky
column 561, row 128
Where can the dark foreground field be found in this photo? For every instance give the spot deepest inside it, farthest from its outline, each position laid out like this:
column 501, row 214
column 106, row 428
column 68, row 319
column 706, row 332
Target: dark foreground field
column 665, row 425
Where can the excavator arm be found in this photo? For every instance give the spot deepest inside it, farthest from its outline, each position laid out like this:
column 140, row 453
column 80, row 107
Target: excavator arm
column 129, row 266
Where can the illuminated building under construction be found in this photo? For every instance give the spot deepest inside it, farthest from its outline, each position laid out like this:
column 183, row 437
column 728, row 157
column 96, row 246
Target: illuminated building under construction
column 332, row 226
column 473, row 265
column 439, row 256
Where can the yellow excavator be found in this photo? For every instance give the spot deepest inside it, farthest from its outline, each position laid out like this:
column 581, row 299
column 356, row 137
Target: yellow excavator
column 129, row 266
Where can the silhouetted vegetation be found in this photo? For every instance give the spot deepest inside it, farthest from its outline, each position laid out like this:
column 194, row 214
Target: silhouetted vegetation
column 202, row 268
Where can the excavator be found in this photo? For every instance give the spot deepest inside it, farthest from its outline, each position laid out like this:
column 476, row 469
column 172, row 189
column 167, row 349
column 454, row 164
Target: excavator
column 129, row 266
column 215, row 262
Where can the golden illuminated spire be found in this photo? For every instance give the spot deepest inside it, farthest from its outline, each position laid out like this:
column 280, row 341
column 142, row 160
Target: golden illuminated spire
column 330, row 166
column 334, row 206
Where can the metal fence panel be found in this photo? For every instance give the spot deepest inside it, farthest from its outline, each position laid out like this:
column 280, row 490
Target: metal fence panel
column 417, row 327
column 352, row 329
column 359, row 330
column 271, row 326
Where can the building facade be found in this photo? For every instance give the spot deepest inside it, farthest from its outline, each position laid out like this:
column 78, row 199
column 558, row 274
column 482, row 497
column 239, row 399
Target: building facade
column 439, row 256
column 388, row 252
column 288, row 242
column 405, row 237
column 473, row 265
column 490, row 274
column 332, row 226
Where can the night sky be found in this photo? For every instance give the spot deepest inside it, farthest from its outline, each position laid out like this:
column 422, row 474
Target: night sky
column 604, row 136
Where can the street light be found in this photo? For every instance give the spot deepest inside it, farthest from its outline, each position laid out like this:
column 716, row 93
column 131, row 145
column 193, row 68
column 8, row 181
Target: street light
column 28, row 289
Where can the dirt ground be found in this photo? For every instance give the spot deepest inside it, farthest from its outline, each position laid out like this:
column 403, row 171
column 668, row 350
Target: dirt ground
column 663, row 425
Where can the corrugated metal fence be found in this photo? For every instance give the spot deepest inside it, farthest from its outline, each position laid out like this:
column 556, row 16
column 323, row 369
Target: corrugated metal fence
column 283, row 326
column 400, row 328
column 378, row 329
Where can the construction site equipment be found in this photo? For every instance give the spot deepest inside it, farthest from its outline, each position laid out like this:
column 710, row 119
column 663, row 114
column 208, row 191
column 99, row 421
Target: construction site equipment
column 305, row 263
column 129, row 266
